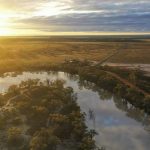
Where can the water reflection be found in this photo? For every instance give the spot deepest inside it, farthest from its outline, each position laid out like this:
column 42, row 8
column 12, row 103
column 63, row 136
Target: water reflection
column 92, row 117
column 121, row 104
column 120, row 125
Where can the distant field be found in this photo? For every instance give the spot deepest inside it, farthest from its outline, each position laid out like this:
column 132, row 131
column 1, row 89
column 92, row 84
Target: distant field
column 20, row 52
column 134, row 52
column 46, row 51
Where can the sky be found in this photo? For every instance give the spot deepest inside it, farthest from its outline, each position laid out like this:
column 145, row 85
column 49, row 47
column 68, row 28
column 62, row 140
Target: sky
column 46, row 17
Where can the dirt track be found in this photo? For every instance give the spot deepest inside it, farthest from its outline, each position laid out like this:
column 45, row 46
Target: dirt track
column 126, row 82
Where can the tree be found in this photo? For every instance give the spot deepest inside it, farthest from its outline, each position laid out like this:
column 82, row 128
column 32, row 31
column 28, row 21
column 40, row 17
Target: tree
column 132, row 77
column 13, row 90
column 14, row 136
column 92, row 133
column 44, row 140
column 87, row 144
column 119, row 89
column 147, row 103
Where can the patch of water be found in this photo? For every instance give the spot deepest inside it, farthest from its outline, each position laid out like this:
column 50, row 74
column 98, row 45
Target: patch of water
column 119, row 125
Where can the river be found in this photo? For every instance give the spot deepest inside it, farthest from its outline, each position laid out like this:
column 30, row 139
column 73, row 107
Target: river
column 119, row 125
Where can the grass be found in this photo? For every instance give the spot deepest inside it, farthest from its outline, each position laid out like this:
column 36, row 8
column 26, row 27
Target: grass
column 19, row 53
column 137, row 52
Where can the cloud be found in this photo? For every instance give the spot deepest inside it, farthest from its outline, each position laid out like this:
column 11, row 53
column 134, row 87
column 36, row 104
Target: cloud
column 79, row 15
column 92, row 22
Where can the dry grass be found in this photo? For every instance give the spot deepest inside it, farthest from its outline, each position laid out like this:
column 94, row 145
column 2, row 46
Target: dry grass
column 133, row 53
column 54, row 51
column 17, row 53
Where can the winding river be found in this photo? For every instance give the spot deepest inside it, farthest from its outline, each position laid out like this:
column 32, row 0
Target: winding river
column 119, row 125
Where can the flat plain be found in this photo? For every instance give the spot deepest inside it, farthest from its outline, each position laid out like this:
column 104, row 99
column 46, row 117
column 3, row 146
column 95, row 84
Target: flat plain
column 30, row 51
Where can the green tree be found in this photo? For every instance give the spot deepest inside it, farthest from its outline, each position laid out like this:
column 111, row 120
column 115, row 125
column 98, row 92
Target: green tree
column 14, row 136
column 44, row 140
column 132, row 77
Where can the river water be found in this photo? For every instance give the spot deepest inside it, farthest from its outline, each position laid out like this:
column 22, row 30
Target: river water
column 119, row 125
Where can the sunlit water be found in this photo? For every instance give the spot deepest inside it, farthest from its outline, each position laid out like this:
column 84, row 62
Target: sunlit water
column 119, row 125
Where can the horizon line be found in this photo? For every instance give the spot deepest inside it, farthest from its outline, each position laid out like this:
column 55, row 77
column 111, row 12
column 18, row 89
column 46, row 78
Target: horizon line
column 78, row 34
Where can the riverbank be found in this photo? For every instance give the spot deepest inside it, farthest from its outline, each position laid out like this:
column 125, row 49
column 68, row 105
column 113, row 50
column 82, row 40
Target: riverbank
column 107, row 80
column 136, row 91
column 143, row 67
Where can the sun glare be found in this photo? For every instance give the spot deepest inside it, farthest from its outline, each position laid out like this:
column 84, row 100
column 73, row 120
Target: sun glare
column 4, row 31
column 4, row 25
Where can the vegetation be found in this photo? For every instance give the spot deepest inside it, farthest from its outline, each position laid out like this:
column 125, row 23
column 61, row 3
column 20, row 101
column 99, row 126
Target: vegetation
column 25, row 53
column 44, row 116
column 100, row 75
column 18, row 54
column 14, row 136
column 135, row 76
column 137, row 52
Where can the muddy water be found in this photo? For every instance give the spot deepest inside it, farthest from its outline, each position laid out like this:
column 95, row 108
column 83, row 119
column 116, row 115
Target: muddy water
column 120, row 126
